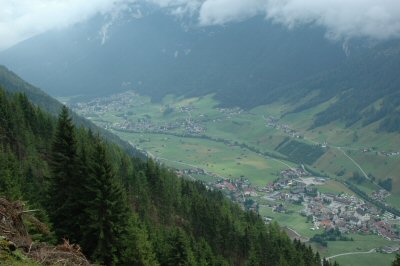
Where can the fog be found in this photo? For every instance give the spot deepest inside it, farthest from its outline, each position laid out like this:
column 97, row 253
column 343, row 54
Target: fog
column 342, row 19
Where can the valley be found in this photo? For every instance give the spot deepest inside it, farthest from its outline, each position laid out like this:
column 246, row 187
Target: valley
column 264, row 159
column 205, row 132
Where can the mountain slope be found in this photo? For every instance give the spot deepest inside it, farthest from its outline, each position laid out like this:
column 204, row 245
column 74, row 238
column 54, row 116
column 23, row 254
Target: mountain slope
column 159, row 55
column 14, row 84
column 364, row 89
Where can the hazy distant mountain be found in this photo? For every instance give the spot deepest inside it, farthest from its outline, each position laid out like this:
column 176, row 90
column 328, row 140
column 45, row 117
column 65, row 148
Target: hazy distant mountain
column 247, row 64
column 159, row 54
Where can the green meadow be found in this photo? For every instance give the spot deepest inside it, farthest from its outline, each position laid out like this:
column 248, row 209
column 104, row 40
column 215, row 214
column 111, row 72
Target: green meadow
column 291, row 219
column 215, row 157
column 361, row 243
column 377, row 259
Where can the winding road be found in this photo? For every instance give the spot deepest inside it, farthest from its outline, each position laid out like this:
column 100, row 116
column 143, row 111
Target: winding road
column 352, row 253
column 355, row 163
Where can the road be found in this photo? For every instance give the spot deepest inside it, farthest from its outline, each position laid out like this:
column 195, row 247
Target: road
column 341, row 150
column 300, row 237
column 355, row 163
column 352, row 253
column 282, row 162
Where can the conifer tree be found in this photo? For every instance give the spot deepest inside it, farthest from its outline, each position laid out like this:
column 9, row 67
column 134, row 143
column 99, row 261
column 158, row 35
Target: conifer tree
column 179, row 252
column 9, row 175
column 138, row 250
column 396, row 262
column 107, row 211
column 64, row 205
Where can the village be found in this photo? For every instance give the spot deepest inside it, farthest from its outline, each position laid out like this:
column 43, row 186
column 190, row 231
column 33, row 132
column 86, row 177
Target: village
column 185, row 125
column 274, row 123
column 114, row 103
column 346, row 213
column 119, row 103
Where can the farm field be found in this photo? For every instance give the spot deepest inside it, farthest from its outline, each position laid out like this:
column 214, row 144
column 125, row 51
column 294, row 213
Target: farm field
column 361, row 243
column 232, row 162
column 366, row 259
column 292, row 219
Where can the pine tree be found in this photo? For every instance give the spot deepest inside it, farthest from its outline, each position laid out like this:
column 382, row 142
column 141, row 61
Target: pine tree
column 317, row 258
column 179, row 253
column 325, row 262
column 10, row 183
column 65, row 203
column 138, row 250
column 107, row 211
column 396, row 262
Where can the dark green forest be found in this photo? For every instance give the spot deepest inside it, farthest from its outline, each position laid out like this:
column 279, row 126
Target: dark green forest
column 361, row 91
column 123, row 210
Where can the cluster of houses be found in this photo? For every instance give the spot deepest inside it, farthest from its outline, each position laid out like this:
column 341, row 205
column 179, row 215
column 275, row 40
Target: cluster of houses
column 114, row 103
column 390, row 154
column 380, row 195
column 119, row 103
column 382, row 153
column 230, row 112
column 145, row 125
column 274, row 123
column 239, row 190
column 191, row 171
column 347, row 213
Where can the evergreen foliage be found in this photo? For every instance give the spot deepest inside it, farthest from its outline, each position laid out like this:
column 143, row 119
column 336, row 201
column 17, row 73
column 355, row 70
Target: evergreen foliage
column 396, row 262
column 65, row 201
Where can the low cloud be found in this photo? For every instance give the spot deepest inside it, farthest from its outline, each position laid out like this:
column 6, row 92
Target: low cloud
column 342, row 19
column 22, row 19
column 224, row 11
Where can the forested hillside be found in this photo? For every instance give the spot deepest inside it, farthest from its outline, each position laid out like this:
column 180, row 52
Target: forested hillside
column 14, row 83
column 123, row 210
column 364, row 89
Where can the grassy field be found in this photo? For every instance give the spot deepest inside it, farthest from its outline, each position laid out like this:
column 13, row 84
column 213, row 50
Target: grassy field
column 361, row 243
column 292, row 220
column 332, row 186
column 212, row 156
column 376, row 259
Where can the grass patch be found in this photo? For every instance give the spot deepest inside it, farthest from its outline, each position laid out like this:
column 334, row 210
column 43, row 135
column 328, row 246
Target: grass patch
column 215, row 157
column 292, row 220
column 332, row 186
column 366, row 259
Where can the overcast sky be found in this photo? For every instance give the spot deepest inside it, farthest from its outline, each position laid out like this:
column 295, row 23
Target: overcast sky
column 342, row 19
